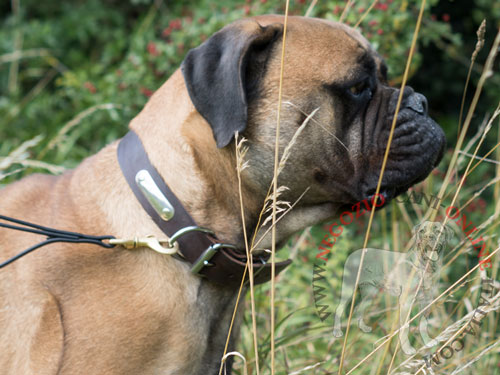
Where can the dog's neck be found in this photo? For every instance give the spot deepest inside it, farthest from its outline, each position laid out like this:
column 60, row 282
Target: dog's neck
column 203, row 177
column 180, row 144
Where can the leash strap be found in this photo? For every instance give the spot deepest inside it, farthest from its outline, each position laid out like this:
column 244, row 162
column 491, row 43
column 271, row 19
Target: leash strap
column 218, row 262
column 53, row 235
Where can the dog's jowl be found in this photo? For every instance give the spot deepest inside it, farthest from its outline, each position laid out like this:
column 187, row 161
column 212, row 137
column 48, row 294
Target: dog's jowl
column 81, row 309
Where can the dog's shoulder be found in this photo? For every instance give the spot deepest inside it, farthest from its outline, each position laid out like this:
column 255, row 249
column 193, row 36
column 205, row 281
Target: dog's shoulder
column 26, row 191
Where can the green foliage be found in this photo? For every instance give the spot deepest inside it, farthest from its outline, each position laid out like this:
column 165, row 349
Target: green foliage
column 59, row 59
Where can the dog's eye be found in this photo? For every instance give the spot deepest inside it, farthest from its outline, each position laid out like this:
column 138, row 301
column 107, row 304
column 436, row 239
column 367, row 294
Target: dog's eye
column 360, row 88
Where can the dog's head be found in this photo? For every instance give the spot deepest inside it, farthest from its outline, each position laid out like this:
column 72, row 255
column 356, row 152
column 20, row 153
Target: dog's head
column 430, row 239
column 233, row 81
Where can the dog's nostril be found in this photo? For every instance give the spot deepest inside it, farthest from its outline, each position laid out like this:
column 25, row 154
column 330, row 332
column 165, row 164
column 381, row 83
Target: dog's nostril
column 418, row 103
column 425, row 103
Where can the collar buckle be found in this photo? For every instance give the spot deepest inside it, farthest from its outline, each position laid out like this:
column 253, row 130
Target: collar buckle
column 204, row 259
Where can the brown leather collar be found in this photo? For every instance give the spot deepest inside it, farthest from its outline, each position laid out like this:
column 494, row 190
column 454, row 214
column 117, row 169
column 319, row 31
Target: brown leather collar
column 218, row 262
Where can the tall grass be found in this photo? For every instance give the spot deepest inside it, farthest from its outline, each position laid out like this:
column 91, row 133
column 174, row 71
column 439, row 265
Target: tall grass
column 282, row 333
column 304, row 344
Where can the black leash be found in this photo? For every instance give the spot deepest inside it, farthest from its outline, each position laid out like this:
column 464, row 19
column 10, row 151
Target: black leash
column 53, row 235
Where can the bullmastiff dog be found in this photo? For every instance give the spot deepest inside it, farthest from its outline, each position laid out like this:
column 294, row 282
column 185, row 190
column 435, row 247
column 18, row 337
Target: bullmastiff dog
column 81, row 309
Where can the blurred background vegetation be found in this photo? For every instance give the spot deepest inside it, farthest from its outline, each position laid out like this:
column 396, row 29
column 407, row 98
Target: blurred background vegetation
column 73, row 74
column 58, row 59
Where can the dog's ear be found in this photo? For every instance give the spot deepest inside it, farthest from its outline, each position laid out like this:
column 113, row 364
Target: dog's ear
column 217, row 74
column 415, row 230
column 449, row 232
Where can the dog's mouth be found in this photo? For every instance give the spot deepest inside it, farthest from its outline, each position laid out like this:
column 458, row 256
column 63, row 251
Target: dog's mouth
column 418, row 141
column 417, row 147
column 385, row 195
column 367, row 200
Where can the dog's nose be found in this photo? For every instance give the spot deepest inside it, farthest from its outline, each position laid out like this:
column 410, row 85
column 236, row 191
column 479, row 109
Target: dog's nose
column 418, row 103
column 411, row 100
column 415, row 101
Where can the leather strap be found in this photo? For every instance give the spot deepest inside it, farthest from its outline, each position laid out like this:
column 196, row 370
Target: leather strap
column 227, row 265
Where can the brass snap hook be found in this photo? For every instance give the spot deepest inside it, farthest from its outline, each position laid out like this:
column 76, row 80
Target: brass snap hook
column 161, row 246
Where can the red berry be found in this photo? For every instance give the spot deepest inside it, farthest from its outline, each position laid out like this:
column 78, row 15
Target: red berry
column 361, row 10
column 263, row 1
column 146, row 92
column 380, row 31
column 336, row 10
column 176, row 24
column 446, row 17
column 372, row 23
column 247, row 9
column 89, row 86
column 166, row 32
column 384, row 7
column 152, row 50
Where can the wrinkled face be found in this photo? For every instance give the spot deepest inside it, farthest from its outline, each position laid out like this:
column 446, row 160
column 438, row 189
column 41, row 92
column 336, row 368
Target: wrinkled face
column 339, row 154
column 331, row 70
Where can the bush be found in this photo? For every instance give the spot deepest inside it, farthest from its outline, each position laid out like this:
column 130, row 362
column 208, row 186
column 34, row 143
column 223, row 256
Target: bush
column 59, row 59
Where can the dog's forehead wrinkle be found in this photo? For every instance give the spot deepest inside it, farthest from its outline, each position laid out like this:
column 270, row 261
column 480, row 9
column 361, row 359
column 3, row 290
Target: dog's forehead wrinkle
column 332, row 55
